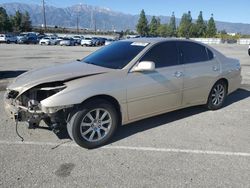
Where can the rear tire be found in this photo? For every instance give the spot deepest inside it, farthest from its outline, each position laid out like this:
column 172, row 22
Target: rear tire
column 94, row 124
column 217, row 95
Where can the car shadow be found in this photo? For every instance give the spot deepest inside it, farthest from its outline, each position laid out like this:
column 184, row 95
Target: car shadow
column 11, row 74
column 149, row 123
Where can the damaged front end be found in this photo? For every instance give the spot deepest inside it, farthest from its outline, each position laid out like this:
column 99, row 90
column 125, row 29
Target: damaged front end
column 27, row 107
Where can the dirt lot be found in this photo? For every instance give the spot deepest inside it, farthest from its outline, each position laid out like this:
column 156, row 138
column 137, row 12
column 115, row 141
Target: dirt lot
column 192, row 147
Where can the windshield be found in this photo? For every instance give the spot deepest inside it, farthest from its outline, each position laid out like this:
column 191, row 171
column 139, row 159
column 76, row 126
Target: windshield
column 116, row 55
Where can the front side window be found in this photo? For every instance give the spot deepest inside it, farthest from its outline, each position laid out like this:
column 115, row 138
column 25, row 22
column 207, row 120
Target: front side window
column 163, row 54
column 192, row 52
column 116, row 55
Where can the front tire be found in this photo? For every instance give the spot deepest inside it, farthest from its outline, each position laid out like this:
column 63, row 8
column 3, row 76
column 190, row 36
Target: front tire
column 94, row 124
column 217, row 95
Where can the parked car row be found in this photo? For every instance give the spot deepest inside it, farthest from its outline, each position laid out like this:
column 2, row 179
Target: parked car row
column 95, row 41
column 34, row 38
column 23, row 38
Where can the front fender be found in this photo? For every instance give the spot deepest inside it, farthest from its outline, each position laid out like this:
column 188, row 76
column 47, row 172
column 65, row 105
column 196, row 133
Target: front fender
column 79, row 90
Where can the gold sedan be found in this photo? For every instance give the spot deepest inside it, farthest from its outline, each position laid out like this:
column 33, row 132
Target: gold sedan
column 120, row 83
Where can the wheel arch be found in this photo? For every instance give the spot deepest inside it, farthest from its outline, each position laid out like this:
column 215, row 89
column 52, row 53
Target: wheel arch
column 218, row 80
column 112, row 100
column 225, row 81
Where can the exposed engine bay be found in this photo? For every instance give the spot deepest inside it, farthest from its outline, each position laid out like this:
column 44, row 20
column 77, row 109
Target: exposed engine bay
column 28, row 105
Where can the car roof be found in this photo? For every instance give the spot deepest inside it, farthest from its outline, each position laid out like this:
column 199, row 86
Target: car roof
column 154, row 40
column 157, row 39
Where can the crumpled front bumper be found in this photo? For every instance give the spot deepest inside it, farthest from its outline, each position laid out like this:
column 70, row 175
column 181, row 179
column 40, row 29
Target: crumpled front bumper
column 10, row 107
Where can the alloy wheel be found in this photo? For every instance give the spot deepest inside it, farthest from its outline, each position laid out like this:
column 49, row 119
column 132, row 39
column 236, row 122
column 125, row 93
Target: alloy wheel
column 218, row 94
column 96, row 125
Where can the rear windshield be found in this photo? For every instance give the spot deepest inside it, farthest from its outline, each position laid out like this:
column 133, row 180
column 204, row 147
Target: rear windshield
column 115, row 56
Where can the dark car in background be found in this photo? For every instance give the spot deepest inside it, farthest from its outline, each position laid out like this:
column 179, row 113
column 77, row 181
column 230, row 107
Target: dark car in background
column 98, row 41
column 28, row 39
column 94, row 41
column 77, row 39
column 249, row 49
column 102, row 41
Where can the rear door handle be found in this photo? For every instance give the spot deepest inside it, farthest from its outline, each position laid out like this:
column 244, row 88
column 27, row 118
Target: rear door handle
column 178, row 74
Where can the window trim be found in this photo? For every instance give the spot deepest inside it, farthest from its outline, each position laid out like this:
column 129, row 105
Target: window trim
column 207, row 49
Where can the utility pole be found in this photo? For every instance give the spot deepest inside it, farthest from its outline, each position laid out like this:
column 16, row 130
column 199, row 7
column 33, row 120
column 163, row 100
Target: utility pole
column 91, row 20
column 95, row 24
column 77, row 23
column 79, row 9
column 44, row 16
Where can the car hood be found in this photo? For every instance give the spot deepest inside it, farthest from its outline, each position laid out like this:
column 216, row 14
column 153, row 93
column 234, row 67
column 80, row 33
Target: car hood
column 64, row 72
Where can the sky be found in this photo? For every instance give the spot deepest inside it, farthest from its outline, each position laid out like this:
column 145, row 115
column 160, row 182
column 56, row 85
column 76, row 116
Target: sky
column 223, row 10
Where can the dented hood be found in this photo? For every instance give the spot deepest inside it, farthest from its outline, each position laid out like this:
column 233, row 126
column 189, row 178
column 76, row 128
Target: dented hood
column 62, row 72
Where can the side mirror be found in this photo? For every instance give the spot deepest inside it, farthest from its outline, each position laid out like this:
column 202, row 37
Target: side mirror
column 144, row 66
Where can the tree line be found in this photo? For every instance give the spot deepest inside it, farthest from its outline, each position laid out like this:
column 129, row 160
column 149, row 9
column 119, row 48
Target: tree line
column 187, row 28
column 20, row 22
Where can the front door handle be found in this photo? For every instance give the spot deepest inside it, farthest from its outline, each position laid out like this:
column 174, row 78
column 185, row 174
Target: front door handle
column 178, row 74
column 215, row 68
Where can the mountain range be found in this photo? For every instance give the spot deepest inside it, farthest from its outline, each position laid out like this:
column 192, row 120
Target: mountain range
column 99, row 17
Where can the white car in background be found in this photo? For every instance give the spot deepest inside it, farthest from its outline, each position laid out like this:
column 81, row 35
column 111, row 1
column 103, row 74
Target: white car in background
column 67, row 42
column 58, row 40
column 6, row 38
column 48, row 41
column 86, row 41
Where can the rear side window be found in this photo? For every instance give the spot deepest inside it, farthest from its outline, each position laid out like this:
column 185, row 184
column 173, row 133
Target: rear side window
column 163, row 54
column 192, row 52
